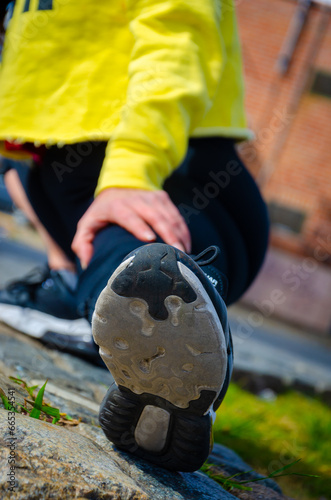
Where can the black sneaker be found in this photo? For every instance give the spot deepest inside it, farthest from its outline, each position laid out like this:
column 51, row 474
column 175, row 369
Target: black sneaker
column 163, row 333
column 42, row 306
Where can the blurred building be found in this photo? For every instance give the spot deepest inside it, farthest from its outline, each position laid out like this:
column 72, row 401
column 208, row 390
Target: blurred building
column 287, row 60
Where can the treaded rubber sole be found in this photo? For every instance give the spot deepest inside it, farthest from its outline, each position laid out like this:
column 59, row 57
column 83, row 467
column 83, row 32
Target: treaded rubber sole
column 188, row 440
column 161, row 338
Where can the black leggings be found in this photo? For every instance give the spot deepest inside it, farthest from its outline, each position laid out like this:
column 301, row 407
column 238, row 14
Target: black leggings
column 212, row 188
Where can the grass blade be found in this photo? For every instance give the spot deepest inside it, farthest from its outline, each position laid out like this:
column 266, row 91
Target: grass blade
column 225, row 482
column 284, row 468
column 296, row 474
column 5, row 401
column 23, row 408
column 52, row 412
column 35, row 412
column 276, row 473
column 31, row 389
column 17, row 380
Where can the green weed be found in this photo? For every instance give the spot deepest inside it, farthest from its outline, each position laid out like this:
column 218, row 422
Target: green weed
column 36, row 407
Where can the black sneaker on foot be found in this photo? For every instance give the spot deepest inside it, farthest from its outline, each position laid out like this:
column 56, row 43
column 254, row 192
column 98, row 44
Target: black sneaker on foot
column 163, row 333
column 43, row 306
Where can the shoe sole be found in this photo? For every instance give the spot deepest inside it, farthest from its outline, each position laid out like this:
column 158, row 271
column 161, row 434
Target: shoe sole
column 168, row 356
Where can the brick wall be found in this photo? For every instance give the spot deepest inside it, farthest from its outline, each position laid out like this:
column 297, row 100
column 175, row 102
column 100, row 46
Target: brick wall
column 291, row 155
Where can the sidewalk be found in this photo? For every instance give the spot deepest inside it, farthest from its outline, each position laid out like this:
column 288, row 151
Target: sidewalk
column 281, row 354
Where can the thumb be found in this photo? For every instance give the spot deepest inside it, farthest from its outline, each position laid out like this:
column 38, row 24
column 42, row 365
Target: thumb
column 86, row 253
column 82, row 244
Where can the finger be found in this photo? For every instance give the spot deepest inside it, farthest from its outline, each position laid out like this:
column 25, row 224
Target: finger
column 82, row 243
column 86, row 254
column 135, row 224
column 184, row 232
column 166, row 230
column 168, row 224
column 178, row 245
column 171, row 212
column 83, row 248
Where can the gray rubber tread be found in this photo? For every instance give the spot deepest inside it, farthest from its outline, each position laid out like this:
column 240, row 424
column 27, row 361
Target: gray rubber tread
column 175, row 358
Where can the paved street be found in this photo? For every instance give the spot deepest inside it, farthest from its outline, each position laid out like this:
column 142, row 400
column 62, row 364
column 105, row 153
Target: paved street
column 16, row 259
column 281, row 351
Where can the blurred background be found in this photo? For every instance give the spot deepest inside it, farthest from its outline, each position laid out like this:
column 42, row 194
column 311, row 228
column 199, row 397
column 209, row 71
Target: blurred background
column 287, row 58
column 278, row 408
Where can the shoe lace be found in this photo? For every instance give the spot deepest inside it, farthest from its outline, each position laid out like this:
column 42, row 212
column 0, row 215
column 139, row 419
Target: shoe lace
column 212, row 249
column 217, row 278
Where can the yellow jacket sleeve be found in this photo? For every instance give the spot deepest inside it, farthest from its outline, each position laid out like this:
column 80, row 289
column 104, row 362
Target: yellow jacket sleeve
column 174, row 71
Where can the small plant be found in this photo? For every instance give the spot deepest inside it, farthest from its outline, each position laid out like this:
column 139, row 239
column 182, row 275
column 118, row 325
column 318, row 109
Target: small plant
column 8, row 406
column 23, row 384
column 39, row 409
column 228, row 482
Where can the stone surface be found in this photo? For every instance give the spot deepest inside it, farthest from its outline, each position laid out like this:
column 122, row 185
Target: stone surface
column 77, row 461
column 80, row 463
column 58, row 463
column 73, row 384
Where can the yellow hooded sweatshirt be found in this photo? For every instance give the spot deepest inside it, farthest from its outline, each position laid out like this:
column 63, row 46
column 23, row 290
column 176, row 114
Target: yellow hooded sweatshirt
column 145, row 75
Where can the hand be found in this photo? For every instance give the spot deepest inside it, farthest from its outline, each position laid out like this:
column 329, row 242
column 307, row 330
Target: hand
column 143, row 213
